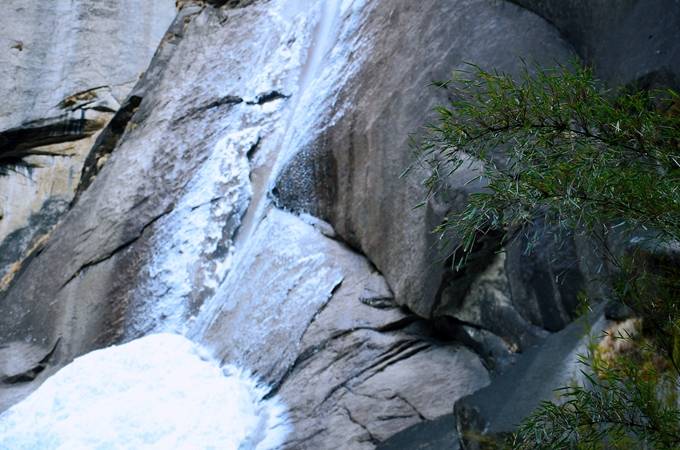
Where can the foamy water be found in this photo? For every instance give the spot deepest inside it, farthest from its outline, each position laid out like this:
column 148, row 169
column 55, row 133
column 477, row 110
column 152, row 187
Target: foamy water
column 157, row 392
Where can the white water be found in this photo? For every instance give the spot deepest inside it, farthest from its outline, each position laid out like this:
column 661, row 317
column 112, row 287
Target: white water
column 159, row 392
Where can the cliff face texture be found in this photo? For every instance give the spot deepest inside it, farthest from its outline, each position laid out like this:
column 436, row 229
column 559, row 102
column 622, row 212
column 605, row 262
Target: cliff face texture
column 66, row 68
column 242, row 187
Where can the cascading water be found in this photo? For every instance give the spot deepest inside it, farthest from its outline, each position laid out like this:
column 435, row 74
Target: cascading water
column 203, row 250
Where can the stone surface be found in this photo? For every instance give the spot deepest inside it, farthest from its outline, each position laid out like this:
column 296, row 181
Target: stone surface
column 348, row 372
column 350, row 175
column 247, row 193
column 50, row 51
column 438, row 434
column 626, row 41
column 493, row 412
column 66, row 66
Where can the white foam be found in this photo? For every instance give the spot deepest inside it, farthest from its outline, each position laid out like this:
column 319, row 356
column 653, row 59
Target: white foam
column 188, row 257
column 157, row 392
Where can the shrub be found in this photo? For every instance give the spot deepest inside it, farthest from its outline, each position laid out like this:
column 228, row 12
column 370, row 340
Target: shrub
column 560, row 149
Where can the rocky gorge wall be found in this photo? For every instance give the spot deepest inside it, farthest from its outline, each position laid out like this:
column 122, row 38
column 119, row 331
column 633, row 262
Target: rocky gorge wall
column 246, row 192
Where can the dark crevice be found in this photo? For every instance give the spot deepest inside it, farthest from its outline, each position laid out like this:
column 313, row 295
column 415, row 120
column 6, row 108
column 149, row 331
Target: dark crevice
column 106, row 143
column 253, row 149
column 463, row 268
column 398, row 324
column 26, row 140
column 32, row 374
column 372, row 439
column 267, row 97
column 212, row 201
column 113, row 252
column 228, row 100
column 392, row 417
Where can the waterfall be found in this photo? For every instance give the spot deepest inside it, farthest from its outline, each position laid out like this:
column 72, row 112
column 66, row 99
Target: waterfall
column 203, row 249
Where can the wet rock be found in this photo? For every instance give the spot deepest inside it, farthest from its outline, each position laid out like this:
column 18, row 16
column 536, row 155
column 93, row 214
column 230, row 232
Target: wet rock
column 350, row 176
column 348, row 372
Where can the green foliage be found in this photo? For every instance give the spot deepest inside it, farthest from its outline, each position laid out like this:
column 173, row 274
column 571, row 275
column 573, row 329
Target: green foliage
column 571, row 154
column 558, row 149
column 626, row 403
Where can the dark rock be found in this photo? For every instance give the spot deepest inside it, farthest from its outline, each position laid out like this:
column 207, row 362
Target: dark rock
column 615, row 310
column 487, row 306
column 437, row 434
column 626, row 41
column 484, row 418
column 14, row 248
column 545, row 279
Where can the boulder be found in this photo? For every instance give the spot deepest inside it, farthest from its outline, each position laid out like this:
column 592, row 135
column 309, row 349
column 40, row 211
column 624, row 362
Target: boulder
column 350, row 175
column 486, row 417
column 438, row 434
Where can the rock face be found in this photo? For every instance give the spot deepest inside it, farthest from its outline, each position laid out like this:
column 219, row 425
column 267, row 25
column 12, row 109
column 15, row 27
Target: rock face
column 350, row 176
column 626, row 41
column 246, row 193
column 52, row 51
column 179, row 223
column 494, row 412
column 67, row 66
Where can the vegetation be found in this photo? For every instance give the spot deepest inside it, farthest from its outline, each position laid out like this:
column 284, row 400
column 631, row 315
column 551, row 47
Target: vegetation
column 559, row 149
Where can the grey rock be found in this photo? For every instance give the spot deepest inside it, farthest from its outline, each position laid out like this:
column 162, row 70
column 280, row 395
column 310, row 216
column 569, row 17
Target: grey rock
column 492, row 413
column 377, row 293
column 92, row 271
column 349, row 373
column 545, row 276
column 50, row 51
column 65, row 67
column 350, row 175
column 437, row 434
column 628, row 41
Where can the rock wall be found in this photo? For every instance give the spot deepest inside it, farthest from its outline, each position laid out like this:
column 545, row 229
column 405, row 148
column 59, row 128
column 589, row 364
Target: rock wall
column 627, row 41
column 246, row 192
column 351, row 177
column 66, row 66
